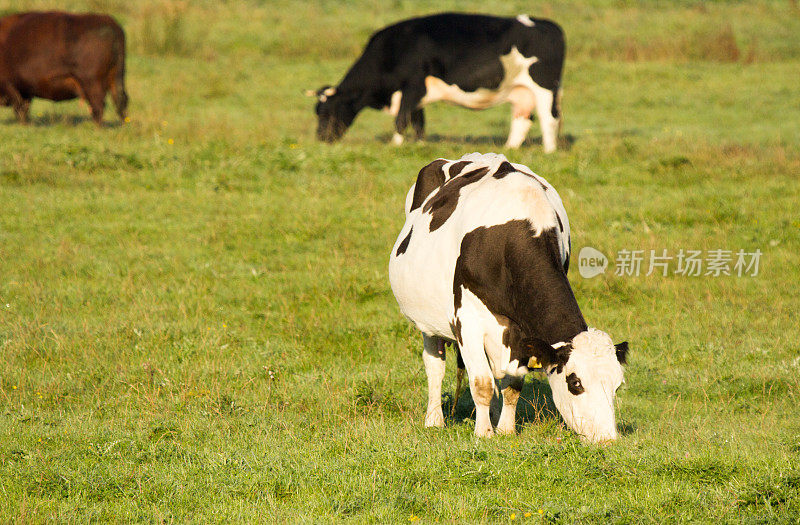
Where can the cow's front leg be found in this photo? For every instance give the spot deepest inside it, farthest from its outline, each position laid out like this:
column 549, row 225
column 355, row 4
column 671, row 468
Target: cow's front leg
column 433, row 356
column 20, row 104
column 418, row 123
column 409, row 104
column 23, row 110
column 511, row 392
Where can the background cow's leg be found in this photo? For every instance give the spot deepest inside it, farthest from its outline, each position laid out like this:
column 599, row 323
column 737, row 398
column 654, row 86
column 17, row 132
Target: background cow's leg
column 433, row 356
column 549, row 123
column 95, row 95
column 511, row 392
column 120, row 97
column 522, row 103
column 23, row 109
column 20, row 104
column 418, row 123
column 412, row 95
column 116, row 84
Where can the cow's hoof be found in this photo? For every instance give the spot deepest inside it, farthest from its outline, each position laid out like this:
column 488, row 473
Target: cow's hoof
column 506, row 430
column 484, row 433
column 434, row 419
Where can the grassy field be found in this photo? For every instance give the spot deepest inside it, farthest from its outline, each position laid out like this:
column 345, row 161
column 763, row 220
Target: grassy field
column 196, row 323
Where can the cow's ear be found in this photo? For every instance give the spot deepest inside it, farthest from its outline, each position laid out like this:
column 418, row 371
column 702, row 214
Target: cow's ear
column 622, row 352
column 539, row 353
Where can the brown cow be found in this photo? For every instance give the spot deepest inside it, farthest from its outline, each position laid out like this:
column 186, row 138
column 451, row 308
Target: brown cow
column 61, row 56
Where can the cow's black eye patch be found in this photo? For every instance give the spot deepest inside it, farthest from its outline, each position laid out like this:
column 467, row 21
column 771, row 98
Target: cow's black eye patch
column 574, row 384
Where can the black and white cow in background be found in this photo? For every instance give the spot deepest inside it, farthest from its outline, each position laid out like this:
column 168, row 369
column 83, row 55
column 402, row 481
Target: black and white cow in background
column 473, row 61
column 482, row 261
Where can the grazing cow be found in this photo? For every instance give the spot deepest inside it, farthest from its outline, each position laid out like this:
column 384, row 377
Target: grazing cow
column 61, row 56
column 482, row 260
column 473, row 61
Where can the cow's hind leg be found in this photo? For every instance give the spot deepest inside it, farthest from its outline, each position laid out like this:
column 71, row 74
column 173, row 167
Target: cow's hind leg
column 522, row 103
column 118, row 94
column 508, row 415
column 549, row 117
column 433, row 356
column 459, row 380
column 95, row 95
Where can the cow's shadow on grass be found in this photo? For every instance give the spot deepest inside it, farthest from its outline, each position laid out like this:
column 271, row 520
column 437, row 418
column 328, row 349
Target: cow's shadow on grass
column 565, row 142
column 49, row 119
column 535, row 405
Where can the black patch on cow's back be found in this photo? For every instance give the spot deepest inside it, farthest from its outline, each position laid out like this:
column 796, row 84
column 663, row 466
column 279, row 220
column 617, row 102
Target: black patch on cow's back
column 519, row 276
column 404, row 245
column 428, row 179
column 444, row 203
column 456, row 168
column 504, row 169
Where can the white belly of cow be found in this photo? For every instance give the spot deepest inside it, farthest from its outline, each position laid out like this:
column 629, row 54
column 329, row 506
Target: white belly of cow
column 515, row 74
column 422, row 280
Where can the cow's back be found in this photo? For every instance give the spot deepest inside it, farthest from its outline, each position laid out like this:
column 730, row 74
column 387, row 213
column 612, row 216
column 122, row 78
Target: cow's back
column 476, row 191
column 39, row 45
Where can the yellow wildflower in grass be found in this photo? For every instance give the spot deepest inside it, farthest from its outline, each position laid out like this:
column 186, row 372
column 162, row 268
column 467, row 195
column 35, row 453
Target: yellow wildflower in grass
column 14, row 387
column 170, row 141
column 527, row 514
column 127, row 119
column 541, row 511
column 413, row 518
column 512, row 517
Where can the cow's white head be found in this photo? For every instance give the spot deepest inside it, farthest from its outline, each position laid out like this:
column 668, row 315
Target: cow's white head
column 584, row 375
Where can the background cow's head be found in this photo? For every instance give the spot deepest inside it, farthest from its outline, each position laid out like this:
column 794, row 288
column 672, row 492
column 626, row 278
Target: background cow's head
column 335, row 113
column 584, row 375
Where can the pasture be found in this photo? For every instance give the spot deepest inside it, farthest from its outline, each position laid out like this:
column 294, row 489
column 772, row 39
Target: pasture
column 195, row 317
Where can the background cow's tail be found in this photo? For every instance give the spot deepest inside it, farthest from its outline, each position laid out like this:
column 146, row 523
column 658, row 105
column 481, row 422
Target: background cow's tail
column 117, row 74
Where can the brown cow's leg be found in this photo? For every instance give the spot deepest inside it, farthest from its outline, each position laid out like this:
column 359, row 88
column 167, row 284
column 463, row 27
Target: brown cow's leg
column 21, row 105
column 118, row 94
column 23, row 110
column 95, row 95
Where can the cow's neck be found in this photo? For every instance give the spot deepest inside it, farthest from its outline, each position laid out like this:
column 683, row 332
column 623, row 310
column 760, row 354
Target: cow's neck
column 544, row 304
column 551, row 314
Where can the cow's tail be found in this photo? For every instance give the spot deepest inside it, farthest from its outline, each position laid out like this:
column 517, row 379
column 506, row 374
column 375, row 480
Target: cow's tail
column 117, row 74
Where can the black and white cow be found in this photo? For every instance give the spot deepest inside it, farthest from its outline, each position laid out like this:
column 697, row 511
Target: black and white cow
column 482, row 260
column 473, row 61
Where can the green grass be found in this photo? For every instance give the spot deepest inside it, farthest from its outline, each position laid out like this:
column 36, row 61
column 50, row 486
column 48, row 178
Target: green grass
column 203, row 330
